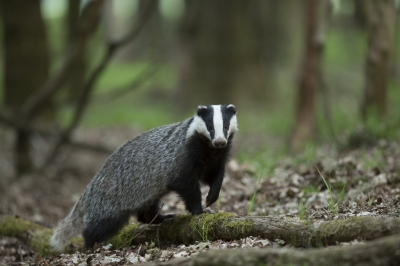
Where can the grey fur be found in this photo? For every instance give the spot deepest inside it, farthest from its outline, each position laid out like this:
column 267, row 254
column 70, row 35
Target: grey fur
column 132, row 177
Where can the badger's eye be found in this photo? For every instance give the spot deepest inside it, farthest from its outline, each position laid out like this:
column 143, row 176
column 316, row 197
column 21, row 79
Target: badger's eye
column 210, row 127
column 225, row 127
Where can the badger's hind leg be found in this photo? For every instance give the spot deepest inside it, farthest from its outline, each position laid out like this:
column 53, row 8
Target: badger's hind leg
column 97, row 231
column 149, row 213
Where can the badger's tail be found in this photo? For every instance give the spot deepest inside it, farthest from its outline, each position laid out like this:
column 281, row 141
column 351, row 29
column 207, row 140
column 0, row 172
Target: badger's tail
column 68, row 227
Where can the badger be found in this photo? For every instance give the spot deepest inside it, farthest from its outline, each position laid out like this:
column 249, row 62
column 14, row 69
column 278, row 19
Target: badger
column 177, row 157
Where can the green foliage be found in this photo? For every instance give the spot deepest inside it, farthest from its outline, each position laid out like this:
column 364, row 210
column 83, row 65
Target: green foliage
column 302, row 211
column 203, row 231
column 370, row 200
column 332, row 203
column 310, row 189
column 369, row 134
column 253, row 198
column 309, row 153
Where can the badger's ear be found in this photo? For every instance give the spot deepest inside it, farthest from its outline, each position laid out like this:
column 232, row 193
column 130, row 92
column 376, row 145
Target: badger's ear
column 231, row 108
column 201, row 110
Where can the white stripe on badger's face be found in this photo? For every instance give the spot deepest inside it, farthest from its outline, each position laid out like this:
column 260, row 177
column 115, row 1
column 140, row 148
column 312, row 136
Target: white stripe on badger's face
column 199, row 126
column 232, row 125
column 218, row 123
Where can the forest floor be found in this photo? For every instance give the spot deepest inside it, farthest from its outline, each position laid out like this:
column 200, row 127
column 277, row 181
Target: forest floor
column 333, row 185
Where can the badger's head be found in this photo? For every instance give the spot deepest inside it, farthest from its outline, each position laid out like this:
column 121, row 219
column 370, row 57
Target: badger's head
column 215, row 122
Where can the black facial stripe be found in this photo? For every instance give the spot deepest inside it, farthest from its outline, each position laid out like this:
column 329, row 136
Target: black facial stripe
column 226, row 118
column 208, row 118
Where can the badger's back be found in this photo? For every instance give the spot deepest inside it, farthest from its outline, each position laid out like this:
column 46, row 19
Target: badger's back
column 138, row 168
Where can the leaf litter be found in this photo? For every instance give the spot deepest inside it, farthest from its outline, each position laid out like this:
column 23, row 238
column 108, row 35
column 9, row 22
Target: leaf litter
column 360, row 182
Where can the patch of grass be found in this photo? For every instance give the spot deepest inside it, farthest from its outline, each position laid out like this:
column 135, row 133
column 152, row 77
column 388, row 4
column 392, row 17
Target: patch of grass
column 309, row 154
column 303, row 206
column 370, row 200
column 203, row 231
column 310, row 189
column 374, row 159
column 253, row 198
column 332, row 203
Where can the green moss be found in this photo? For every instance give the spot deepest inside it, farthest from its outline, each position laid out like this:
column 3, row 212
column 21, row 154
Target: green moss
column 125, row 236
column 239, row 228
column 204, row 227
column 35, row 235
column 14, row 227
column 40, row 241
column 180, row 222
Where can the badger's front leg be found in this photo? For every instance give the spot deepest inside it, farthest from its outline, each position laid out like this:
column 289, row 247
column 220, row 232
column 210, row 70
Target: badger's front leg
column 215, row 187
column 191, row 195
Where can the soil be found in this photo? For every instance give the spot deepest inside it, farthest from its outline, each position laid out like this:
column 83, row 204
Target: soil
column 359, row 182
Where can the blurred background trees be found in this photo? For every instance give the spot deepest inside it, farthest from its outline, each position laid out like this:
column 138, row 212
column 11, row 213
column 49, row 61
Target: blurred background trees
column 298, row 71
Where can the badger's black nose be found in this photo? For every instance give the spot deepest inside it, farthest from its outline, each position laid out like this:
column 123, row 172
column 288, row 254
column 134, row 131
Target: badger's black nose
column 219, row 143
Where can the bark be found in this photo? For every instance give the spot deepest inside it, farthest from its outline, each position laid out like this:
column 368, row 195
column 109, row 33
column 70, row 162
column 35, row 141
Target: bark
column 77, row 76
column 310, row 79
column 384, row 251
column 187, row 35
column 26, row 65
column 188, row 229
column 381, row 25
column 151, row 42
column 360, row 12
column 220, row 46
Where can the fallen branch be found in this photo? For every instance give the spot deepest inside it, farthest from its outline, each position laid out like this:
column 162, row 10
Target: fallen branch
column 188, row 229
column 298, row 233
column 384, row 251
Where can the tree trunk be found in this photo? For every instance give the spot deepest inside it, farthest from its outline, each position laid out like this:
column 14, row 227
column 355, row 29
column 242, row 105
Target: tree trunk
column 77, row 75
column 187, row 36
column 360, row 12
column 310, row 79
column 151, row 41
column 223, row 53
column 381, row 25
column 26, row 65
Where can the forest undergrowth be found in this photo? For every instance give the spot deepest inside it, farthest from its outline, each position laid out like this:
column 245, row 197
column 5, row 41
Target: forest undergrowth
column 329, row 185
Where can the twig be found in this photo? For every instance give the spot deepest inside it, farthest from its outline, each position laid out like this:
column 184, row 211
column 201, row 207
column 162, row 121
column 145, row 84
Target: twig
column 112, row 48
column 90, row 147
column 116, row 93
column 6, row 119
column 89, row 21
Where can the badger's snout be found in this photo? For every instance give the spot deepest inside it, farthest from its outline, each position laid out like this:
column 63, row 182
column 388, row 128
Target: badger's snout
column 219, row 143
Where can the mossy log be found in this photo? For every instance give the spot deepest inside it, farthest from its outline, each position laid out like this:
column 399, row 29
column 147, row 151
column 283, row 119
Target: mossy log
column 32, row 234
column 383, row 251
column 188, row 229
column 299, row 233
